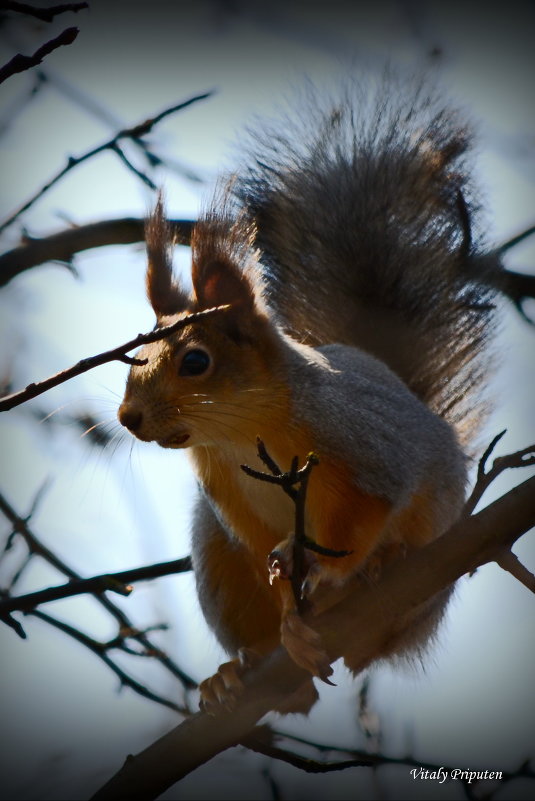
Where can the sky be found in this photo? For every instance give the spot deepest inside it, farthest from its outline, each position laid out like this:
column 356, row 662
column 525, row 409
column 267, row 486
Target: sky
column 65, row 728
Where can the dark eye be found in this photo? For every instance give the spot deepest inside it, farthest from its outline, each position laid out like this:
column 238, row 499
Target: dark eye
column 194, row 362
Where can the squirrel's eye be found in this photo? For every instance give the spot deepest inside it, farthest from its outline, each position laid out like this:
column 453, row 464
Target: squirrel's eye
column 194, row 362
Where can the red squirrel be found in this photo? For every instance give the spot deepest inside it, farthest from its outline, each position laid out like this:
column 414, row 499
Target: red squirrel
column 343, row 246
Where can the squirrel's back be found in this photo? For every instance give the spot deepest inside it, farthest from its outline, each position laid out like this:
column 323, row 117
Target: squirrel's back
column 364, row 212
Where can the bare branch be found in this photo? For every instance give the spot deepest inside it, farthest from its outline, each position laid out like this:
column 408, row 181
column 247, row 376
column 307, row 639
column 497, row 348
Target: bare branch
column 360, row 607
column 515, row 240
column 126, row 133
column 20, row 63
column 101, row 650
column 261, row 739
column 132, row 167
column 63, row 245
column 294, row 483
column 35, row 546
column 115, row 354
column 113, row 582
column 511, row 563
column 522, row 458
column 488, row 269
column 44, row 14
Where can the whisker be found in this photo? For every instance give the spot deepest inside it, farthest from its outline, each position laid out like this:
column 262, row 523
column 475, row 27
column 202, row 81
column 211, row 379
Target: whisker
column 56, row 411
column 101, row 423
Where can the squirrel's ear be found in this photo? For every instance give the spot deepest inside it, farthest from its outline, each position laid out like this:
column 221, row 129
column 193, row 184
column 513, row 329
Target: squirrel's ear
column 163, row 292
column 219, row 281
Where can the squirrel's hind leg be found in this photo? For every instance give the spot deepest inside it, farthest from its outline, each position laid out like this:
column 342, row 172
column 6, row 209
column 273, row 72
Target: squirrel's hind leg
column 239, row 607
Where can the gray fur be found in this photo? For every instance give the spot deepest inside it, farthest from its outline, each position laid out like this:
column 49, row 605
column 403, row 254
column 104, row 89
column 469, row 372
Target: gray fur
column 391, row 441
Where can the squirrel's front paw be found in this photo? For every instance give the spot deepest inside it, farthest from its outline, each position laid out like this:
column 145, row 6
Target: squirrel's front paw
column 224, row 687
column 280, row 560
column 304, row 646
column 281, row 566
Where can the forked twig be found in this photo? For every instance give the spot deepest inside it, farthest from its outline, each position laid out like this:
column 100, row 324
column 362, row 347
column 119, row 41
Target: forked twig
column 525, row 457
column 294, row 483
column 522, row 458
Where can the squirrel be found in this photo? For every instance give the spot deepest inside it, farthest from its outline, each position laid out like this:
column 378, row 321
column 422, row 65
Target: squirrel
column 356, row 329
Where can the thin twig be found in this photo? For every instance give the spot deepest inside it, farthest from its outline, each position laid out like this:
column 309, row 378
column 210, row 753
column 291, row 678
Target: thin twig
column 112, row 582
column 115, row 354
column 44, row 14
column 488, row 269
column 20, row 63
column 294, row 483
column 516, row 240
column 521, row 458
column 100, row 649
column 257, row 742
column 35, row 546
column 134, row 132
column 132, row 167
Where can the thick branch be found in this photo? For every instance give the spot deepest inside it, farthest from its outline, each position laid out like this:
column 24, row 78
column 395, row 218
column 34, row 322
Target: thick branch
column 374, row 612
column 63, row 245
column 20, row 63
column 487, row 268
column 116, row 354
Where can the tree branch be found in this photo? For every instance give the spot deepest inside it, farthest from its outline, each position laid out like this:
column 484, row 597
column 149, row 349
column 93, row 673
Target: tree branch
column 488, row 269
column 374, row 611
column 44, row 14
column 101, row 651
column 114, row 582
column 511, row 563
column 20, row 63
column 115, row 354
column 126, row 627
column 63, row 245
column 134, row 133
column 521, row 458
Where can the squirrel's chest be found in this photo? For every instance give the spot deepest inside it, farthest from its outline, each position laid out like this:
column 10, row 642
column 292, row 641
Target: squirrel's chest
column 258, row 513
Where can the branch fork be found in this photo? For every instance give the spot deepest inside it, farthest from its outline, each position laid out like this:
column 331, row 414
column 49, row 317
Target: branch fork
column 294, row 483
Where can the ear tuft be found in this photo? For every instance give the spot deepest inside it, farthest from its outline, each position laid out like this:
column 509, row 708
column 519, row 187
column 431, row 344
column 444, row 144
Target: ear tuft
column 164, row 294
column 225, row 266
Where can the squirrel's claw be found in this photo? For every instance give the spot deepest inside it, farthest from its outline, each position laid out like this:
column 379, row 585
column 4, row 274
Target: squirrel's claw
column 224, row 687
column 281, row 565
column 280, row 560
column 304, row 646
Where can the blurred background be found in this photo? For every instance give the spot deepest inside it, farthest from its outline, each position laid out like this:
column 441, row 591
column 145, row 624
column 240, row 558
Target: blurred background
column 105, row 503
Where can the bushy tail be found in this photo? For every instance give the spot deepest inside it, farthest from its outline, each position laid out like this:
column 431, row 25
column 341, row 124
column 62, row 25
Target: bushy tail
column 364, row 210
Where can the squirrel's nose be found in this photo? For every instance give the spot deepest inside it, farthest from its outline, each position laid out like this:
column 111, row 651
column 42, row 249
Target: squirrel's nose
column 130, row 417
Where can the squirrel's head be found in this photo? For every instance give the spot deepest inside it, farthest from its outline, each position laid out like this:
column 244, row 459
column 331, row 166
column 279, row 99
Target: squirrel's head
column 206, row 384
